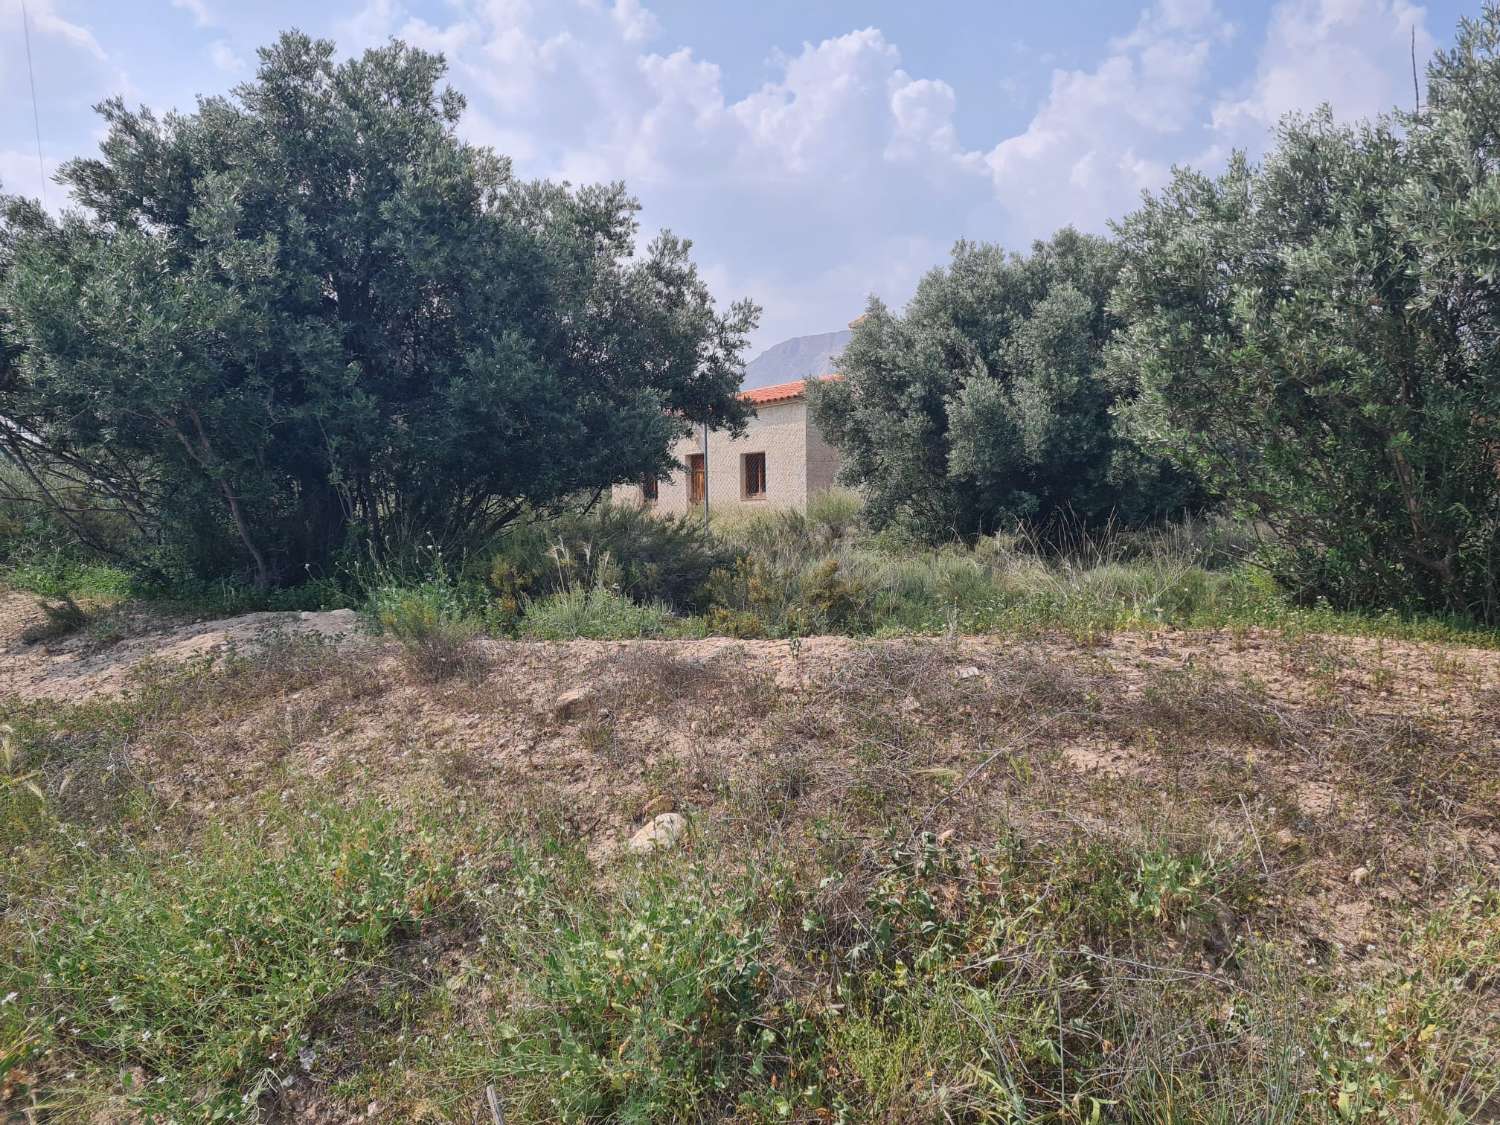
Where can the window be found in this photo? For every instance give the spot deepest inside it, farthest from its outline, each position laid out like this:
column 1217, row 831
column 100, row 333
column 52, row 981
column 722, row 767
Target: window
column 697, row 478
column 649, row 489
column 753, row 474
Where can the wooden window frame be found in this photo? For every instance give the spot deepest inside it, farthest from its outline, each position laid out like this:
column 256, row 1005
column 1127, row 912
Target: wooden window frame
column 752, row 477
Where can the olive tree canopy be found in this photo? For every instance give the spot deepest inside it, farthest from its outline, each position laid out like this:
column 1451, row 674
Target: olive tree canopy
column 984, row 406
column 1320, row 336
column 309, row 313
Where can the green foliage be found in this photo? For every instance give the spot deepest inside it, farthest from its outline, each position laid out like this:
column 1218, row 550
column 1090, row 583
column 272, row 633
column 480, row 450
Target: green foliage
column 648, row 558
column 755, row 599
column 983, row 405
column 50, row 519
column 597, row 613
column 836, row 513
column 434, row 625
column 57, row 575
column 206, row 974
column 645, row 1007
column 979, row 979
column 261, row 365
column 1387, row 1049
column 1315, row 335
column 833, row 518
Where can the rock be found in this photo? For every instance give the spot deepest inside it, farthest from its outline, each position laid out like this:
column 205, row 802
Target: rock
column 570, row 704
column 967, row 672
column 1359, row 875
column 661, row 831
column 658, row 805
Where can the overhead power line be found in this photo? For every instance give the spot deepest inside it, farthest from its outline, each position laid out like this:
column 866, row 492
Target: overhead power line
column 36, row 118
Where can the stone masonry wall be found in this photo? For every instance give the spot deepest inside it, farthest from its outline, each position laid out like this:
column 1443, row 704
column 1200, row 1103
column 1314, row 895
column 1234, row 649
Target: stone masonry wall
column 779, row 431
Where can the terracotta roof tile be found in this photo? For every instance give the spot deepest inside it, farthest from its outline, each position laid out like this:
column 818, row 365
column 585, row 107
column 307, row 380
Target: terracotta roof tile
column 781, row 392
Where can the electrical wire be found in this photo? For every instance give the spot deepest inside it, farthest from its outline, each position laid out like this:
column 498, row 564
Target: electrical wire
column 36, row 119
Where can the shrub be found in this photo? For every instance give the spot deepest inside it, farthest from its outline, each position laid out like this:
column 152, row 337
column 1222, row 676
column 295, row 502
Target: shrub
column 756, row 599
column 838, row 513
column 1315, row 335
column 833, row 519
column 597, row 614
column 984, row 404
column 526, row 316
column 434, row 626
column 648, row 558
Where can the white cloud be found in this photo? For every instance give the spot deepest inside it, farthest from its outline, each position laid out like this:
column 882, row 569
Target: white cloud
column 636, row 24
column 226, row 58
column 1093, row 145
column 1353, row 54
column 370, row 26
column 44, row 22
column 842, row 172
column 21, row 174
column 197, row 9
column 66, row 70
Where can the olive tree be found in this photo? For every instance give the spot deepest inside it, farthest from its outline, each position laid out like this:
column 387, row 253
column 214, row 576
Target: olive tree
column 1318, row 335
column 308, row 313
column 983, row 406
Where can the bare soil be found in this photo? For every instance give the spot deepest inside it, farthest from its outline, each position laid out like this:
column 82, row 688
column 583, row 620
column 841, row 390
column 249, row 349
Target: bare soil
column 101, row 659
column 1363, row 773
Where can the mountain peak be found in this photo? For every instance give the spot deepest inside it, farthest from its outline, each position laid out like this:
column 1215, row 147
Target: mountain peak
column 797, row 358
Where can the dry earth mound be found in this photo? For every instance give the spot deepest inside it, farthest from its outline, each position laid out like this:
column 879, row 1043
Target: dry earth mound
column 101, row 660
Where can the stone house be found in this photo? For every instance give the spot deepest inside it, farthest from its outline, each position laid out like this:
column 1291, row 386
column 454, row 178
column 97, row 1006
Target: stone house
column 780, row 461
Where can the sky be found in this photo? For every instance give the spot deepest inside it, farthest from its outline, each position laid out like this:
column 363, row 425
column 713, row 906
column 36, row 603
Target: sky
column 815, row 151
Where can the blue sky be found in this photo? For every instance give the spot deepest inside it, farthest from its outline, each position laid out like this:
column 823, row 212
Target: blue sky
column 815, row 152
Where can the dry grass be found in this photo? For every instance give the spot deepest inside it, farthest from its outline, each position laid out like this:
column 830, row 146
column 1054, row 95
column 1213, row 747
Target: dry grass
column 1201, row 868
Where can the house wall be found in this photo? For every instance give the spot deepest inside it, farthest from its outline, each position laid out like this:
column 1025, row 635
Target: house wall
column 822, row 461
column 779, row 430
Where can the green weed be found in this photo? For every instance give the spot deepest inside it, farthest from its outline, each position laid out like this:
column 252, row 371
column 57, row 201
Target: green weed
column 599, row 614
column 199, row 974
column 434, row 626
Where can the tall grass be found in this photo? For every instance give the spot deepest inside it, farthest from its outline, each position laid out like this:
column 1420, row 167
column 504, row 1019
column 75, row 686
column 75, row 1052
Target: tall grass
column 621, row 572
column 602, row 614
column 1088, row 583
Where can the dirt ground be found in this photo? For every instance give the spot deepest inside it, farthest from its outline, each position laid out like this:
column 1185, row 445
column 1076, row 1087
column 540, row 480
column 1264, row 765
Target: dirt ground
column 1368, row 766
column 100, row 659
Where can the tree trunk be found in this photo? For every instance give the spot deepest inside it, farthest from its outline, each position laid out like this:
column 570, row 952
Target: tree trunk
column 322, row 520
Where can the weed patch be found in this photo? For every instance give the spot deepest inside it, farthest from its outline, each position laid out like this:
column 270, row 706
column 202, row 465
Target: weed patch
column 434, row 629
column 643, row 1007
column 200, row 975
column 598, row 614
